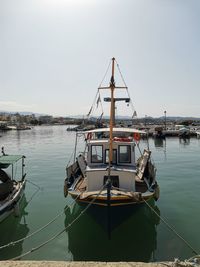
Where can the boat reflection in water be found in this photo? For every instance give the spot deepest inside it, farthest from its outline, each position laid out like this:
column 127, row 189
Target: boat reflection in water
column 184, row 141
column 133, row 234
column 13, row 228
column 159, row 142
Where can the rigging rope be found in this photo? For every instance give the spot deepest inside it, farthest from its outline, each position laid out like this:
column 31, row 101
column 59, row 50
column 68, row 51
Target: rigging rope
column 92, row 107
column 62, row 231
column 171, row 228
column 73, row 152
column 133, row 109
column 102, row 111
column 105, row 73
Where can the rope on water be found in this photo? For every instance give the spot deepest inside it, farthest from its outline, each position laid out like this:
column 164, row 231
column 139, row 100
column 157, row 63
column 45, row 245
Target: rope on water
column 41, row 228
column 62, row 231
column 171, row 228
column 31, row 198
column 34, row 184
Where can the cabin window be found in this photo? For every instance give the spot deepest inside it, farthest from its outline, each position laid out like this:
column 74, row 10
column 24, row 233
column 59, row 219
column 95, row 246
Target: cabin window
column 97, row 154
column 114, row 159
column 124, row 154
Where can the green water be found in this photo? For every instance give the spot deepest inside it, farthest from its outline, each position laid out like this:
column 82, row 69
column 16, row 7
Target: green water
column 137, row 234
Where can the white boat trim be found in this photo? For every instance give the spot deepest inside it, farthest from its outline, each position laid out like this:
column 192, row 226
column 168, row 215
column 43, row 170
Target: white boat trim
column 116, row 130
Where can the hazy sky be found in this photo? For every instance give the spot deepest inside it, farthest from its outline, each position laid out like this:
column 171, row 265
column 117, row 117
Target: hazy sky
column 54, row 54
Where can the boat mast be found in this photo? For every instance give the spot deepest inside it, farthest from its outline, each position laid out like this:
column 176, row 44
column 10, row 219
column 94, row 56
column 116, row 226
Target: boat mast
column 112, row 88
column 109, row 183
column 112, row 100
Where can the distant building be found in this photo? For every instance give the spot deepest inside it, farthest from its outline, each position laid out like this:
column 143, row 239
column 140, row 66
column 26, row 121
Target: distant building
column 46, row 119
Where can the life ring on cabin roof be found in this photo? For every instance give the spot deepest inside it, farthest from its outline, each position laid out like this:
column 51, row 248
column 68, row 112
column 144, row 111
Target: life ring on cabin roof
column 136, row 136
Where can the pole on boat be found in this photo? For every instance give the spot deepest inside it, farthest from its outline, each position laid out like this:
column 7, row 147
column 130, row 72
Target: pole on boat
column 75, row 147
column 112, row 88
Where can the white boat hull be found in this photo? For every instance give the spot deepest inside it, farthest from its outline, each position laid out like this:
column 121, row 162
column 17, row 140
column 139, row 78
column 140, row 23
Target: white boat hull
column 11, row 203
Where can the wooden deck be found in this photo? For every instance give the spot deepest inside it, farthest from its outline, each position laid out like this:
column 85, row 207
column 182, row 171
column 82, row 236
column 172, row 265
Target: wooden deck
column 139, row 186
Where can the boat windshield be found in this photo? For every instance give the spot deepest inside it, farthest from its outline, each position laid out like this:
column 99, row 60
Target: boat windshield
column 114, row 158
column 97, row 154
column 124, row 152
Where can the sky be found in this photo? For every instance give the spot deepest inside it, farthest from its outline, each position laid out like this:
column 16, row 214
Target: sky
column 54, row 54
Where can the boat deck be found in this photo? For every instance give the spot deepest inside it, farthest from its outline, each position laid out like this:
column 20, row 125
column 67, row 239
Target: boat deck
column 139, row 186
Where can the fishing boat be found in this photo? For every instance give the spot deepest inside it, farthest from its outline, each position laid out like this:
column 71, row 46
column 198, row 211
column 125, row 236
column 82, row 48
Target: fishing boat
column 108, row 173
column 11, row 188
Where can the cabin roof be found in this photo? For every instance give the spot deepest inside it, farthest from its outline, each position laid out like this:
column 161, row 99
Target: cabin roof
column 106, row 141
column 118, row 130
column 99, row 141
column 10, row 159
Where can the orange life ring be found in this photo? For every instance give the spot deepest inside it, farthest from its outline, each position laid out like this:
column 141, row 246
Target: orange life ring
column 136, row 136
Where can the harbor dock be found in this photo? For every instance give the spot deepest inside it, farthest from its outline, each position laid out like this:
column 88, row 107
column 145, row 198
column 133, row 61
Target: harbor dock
column 85, row 264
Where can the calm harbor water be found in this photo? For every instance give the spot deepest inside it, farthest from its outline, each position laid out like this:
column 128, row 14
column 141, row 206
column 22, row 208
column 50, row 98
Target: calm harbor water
column 137, row 233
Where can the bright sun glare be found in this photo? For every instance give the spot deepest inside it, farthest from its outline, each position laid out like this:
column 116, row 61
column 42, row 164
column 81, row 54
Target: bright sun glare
column 77, row 3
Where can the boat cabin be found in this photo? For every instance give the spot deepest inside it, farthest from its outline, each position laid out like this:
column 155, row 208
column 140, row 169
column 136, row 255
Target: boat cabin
column 123, row 153
column 123, row 166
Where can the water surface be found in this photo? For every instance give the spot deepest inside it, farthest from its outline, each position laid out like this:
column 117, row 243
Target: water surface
column 137, row 233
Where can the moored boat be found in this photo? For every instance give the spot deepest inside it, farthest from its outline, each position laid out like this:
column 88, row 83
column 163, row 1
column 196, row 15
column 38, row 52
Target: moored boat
column 11, row 188
column 107, row 173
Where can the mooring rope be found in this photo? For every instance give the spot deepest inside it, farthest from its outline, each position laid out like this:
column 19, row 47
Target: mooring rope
column 171, row 228
column 192, row 262
column 62, row 231
column 34, row 184
column 31, row 198
column 13, row 243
